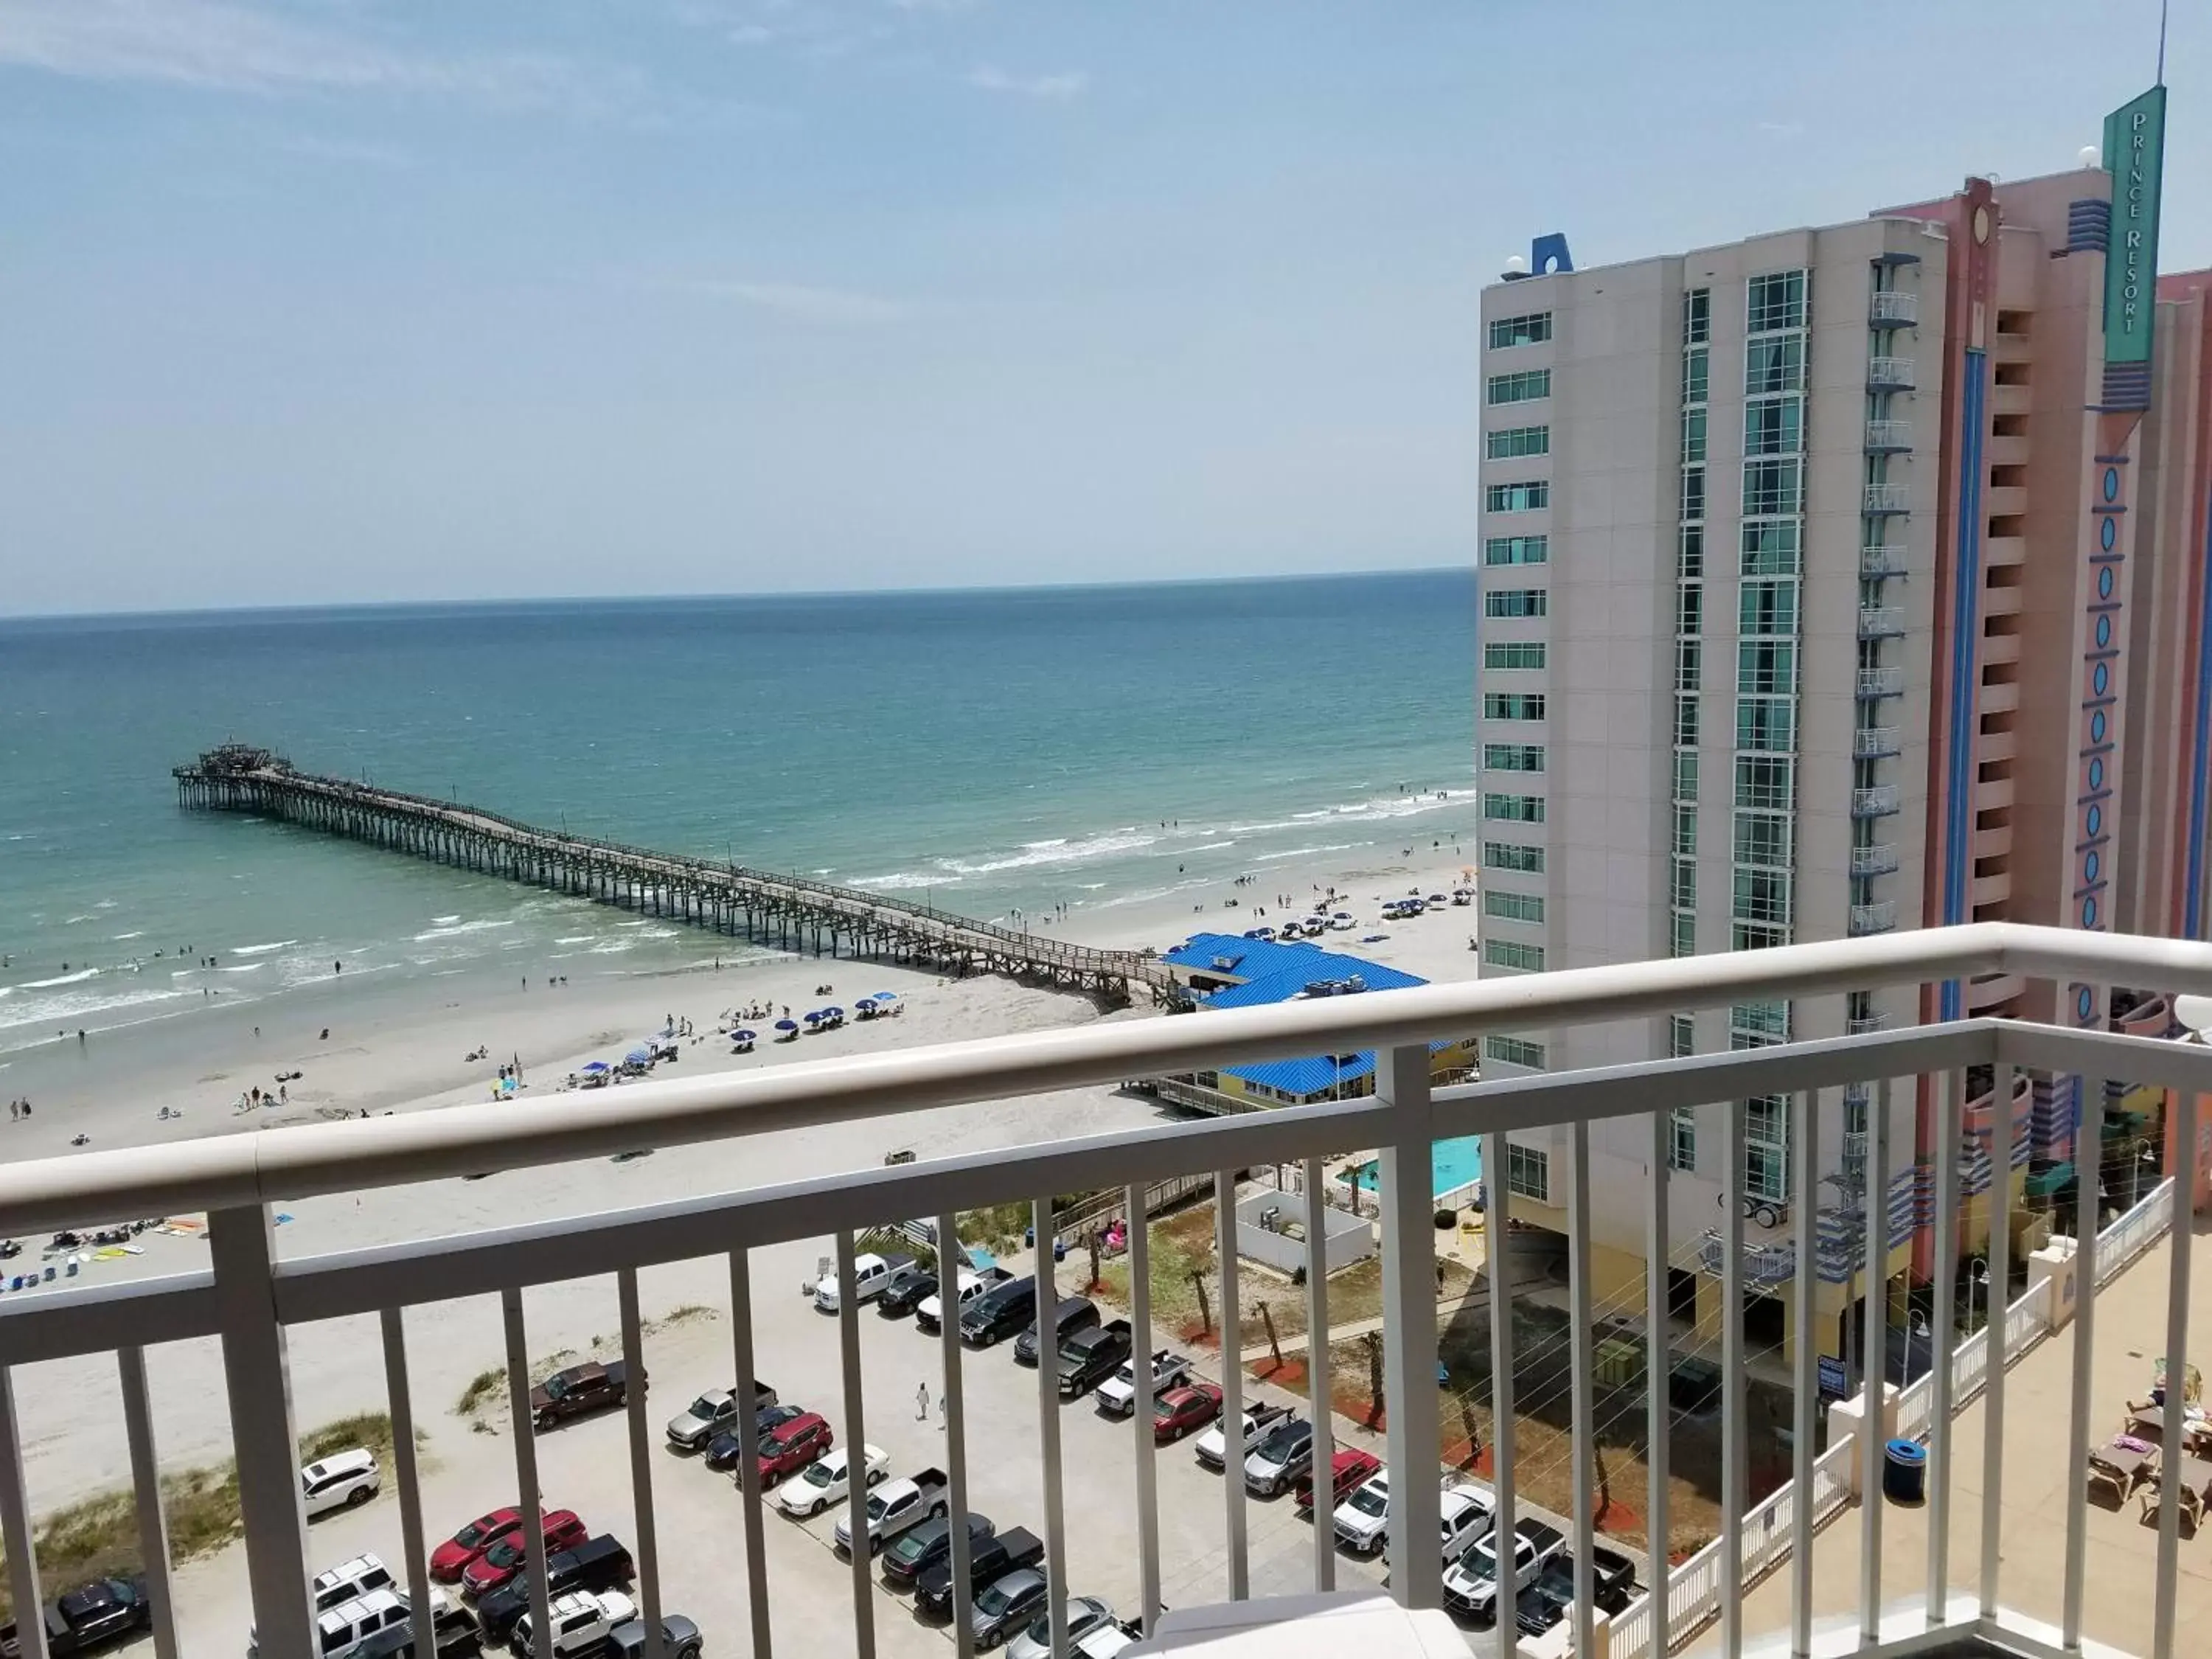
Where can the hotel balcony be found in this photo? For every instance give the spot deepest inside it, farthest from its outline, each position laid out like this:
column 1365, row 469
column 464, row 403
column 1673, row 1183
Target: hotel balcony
column 1876, row 860
column 1894, row 307
column 1880, row 917
column 1881, row 622
column 1877, row 801
column 1882, row 498
column 1888, row 682
column 1866, row 1024
column 1890, row 374
column 1888, row 437
column 1874, row 742
column 2004, row 1551
column 1881, row 559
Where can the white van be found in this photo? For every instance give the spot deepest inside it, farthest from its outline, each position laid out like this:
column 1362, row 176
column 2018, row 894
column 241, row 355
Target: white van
column 341, row 1630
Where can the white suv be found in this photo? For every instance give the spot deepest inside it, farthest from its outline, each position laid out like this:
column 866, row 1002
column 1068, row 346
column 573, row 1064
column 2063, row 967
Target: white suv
column 349, row 1581
column 340, row 1631
column 342, row 1480
column 582, row 1624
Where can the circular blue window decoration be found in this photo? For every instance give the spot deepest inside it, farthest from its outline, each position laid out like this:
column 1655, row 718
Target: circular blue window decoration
column 2083, row 1003
column 2104, row 632
column 2107, row 533
column 2097, row 726
column 2095, row 821
column 2104, row 583
column 2096, row 773
column 2089, row 912
column 2101, row 679
column 2111, row 484
column 2091, row 865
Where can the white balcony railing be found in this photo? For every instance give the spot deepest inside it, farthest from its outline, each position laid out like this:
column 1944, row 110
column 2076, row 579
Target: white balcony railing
column 1873, row 742
column 1895, row 305
column 1875, row 801
column 1880, row 917
column 1890, row 497
column 1882, row 682
column 1866, row 1023
column 241, row 1307
column 1890, row 374
column 1876, row 860
column 1881, row 559
column 1880, row 622
column 1888, row 437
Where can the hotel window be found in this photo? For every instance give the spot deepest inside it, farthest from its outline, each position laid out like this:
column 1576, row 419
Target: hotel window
column 1514, row 602
column 1770, row 549
column 1513, row 705
column 1697, row 316
column 1689, row 664
column 1690, row 553
column 1528, row 1172
column 1758, row 936
column 1682, row 936
column 1513, row 907
column 1763, row 1024
column 1682, row 1139
column 1686, row 775
column 1762, row 896
column 1774, row 426
column 1693, row 434
column 1504, row 855
column 1526, row 497
column 1521, row 653
column 1516, row 549
column 1512, row 954
column 1514, row 1051
column 1775, row 301
column 1696, row 369
column 1514, row 809
column 1763, row 838
column 1776, row 365
column 1685, row 722
column 1766, row 1147
column 1763, row 782
column 1513, row 756
column 1772, row 488
column 1533, row 330
column 1682, row 885
column 1765, row 605
column 1517, row 441
column 1686, row 831
column 1765, row 667
column 1766, row 726
column 1694, row 492
column 1690, row 608
column 1525, row 386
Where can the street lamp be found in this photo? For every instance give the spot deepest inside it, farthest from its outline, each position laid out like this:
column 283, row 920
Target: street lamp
column 2139, row 1154
column 1978, row 1273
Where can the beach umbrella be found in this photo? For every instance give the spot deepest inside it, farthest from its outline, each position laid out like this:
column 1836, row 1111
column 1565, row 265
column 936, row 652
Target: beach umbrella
column 885, row 996
column 638, row 1057
column 597, row 1065
column 814, row 1017
column 865, row 1002
column 833, row 1013
column 741, row 1037
column 786, row 1026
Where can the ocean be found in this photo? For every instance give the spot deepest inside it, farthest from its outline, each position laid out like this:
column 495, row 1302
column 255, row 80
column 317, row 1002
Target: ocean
column 983, row 750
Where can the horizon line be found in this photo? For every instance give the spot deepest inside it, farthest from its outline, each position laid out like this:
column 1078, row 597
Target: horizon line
column 550, row 601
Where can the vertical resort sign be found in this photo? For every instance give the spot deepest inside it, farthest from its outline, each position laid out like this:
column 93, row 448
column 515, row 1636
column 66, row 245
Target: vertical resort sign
column 2135, row 149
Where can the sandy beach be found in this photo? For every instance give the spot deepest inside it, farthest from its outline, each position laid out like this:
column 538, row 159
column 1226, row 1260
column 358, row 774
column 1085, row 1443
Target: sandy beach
column 411, row 1060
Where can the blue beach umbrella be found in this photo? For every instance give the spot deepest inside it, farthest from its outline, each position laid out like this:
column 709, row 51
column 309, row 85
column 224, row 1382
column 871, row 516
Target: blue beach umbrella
column 638, row 1057
column 885, row 996
column 786, row 1026
column 741, row 1037
column 865, row 1002
column 597, row 1065
column 833, row 1013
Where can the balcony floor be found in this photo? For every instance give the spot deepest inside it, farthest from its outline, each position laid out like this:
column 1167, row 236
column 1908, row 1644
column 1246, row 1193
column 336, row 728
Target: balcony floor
column 2130, row 1335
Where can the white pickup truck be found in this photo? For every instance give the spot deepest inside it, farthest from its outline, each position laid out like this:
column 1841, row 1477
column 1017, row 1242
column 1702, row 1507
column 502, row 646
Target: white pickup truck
column 929, row 1312
column 895, row 1506
column 871, row 1273
column 581, row 1624
column 1117, row 1394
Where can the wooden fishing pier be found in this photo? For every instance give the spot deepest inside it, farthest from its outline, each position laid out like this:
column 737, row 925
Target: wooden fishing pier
column 787, row 912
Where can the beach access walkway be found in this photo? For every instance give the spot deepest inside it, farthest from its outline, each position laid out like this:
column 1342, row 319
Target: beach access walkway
column 789, row 912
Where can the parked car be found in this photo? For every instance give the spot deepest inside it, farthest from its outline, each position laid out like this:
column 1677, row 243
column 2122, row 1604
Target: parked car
column 579, row 1389
column 1108, row 1641
column 1005, row 1604
column 452, row 1632
column 918, row 1549
column 344, row 1630
column 1212, row 1446
column 712, row 1413
column 1075, row 1313
column 994, row 1557
column 1471, row 1586
column 349, row 1581
column 510, row 1554
column 1184, row 1411
column 582, row 1623
column 344, row 1481
column 722, row 1451
column 1363, row 1519
column 790, row 1447
column 894, row 1507
column 90, row 1616
column 596, row 1564
column 1546, row 1601
column 1349, row 1470
column 871, row 1273
column 999, row 1313
column 1084, row 1614
column 447, row 1560
column 1117, row 1394
column 824, row 1481
column 967, row 1288
column 1282, row 1454
column 908, row 1286
column 679, row 1638
column 1088, row 1357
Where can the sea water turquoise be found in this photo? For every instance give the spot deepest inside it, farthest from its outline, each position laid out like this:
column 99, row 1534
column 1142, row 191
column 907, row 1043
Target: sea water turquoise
column 1094, row 747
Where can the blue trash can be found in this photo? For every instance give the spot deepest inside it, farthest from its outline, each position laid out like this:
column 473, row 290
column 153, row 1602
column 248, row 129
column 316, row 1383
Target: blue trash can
column 1905, row 1473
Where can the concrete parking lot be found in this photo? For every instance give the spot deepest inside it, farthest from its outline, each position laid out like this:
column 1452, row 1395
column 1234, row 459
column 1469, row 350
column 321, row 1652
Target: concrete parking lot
column 584, row 1466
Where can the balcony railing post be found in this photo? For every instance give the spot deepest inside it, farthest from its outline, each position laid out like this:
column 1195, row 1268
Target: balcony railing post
column 400, row 1397
column 1317, row 1390
column 949, row 1260
column 146, row 1489
column 1232, row 1385
column 1496, row 1236
column 640, row 1465
column 1950, row 1129
column 1042, row 1224
column 1874, row 1396
column 1141, row 1349
column 524, row 1427
column 1658, row 1367
column 1733, row 1484
column 2088, row 1180
column 1580, row 1367
column 856, row 1444
column 1805, row 1291
column 2183, row 1139
column 257, row 1380
column 1409, row 1328
column 748, row 1481
column 1997, row 1306
column 16, row 1531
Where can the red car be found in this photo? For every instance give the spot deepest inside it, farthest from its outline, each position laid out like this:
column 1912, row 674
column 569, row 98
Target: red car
column 510, row 1554
column 1349, row 1469
column 1180, row 1411
column 447, row 1560
column 792, row 1446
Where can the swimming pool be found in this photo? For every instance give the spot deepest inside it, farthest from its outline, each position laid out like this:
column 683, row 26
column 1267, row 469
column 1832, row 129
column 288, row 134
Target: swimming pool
column 1455, row 1165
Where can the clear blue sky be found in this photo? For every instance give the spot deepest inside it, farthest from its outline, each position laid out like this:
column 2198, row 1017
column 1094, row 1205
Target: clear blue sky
column 320, row 300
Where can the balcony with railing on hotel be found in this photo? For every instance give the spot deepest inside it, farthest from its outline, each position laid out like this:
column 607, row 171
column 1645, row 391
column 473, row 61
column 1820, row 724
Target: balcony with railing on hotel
column 1894, row 307
column 1881, row 559
column 1888, row 437
column 1878, row 800
column 1890, row 374
column 1885, row 681
column 1114, row 1516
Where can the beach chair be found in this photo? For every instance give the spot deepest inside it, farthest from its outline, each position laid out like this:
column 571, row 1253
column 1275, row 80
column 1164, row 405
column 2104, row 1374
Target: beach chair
column 2192, row 1501
column 2122, row 1467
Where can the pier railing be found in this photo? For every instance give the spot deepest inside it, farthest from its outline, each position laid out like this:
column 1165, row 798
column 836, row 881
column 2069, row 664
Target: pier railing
column 247, row 1300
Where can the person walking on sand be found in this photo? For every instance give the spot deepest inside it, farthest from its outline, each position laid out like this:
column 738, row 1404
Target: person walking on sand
column 922, row 1402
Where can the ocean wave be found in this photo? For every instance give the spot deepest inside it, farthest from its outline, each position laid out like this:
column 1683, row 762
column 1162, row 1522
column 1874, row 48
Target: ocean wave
column 577, row 939
column 612, row 948
column 247, row 968
column 1057, row 852
column 260, row 950
column 907, row 881
column 71, row 921
column 444, row 921
column 460, row 928
column 80, row 1008
column 1212, row 846
column 138, row 934
column 78, row 977
column 1308, row 852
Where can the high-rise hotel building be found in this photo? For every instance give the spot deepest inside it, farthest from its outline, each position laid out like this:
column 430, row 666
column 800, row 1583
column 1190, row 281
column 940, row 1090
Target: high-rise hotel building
column 1832, row 581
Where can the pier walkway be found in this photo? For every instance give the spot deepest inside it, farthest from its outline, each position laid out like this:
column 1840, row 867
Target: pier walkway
column 788, row 912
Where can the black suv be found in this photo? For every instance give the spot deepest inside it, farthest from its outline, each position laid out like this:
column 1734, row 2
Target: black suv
column 596, row 1564
column 1075, row 1313
column 999, row 1314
